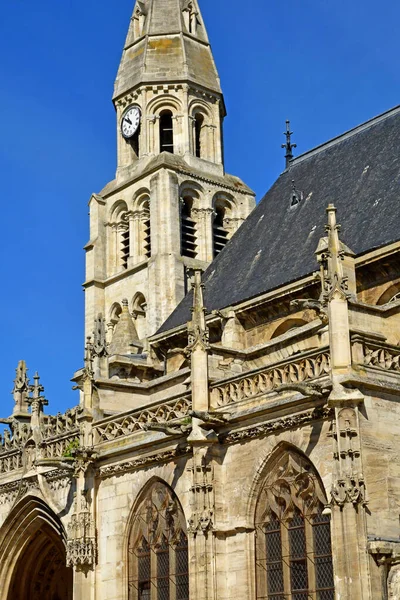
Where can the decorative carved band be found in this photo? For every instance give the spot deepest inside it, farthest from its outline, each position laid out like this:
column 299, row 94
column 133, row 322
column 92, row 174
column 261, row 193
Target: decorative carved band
column 249, row 386
column 145, row 461
column 383, row 356
column 319, row 413
column 135, row 421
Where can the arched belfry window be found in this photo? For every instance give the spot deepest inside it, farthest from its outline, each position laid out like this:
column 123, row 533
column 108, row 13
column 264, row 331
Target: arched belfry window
column 166, row 132
column 158, row 548
column 119, row 237
column 188, row 229
column 198, row 135
column 293, row 539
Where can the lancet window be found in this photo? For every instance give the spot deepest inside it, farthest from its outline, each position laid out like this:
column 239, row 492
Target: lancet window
column 293, row 540
column 158, row 548
column 166, row 132
column 198, row 135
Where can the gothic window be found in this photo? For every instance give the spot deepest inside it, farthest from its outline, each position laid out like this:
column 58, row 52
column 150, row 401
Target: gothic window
column 158, row 549
column 188, row 229
column 199, row 142
column 293, row 540
column 220, row 233
column 166, row 132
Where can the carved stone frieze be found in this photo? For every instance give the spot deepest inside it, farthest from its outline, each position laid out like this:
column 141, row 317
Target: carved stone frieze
column 382, row 357
column 58, row 480
column 248, row 386
column 11, row 492
column 319, row 413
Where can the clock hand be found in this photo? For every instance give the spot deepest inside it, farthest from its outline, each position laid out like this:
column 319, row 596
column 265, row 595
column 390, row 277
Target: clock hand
column 127, row 119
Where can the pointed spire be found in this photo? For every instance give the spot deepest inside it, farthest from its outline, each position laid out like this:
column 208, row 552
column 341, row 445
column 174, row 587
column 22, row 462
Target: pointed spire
column 197, row 327
column 166, row 42
column 125, row 339
column 288, row 146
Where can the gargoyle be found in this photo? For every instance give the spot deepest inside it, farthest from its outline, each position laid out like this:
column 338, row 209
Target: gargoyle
column 212, row 419
column 311, row 304
column 57, row 463
column 313, row 390
column 173, row 429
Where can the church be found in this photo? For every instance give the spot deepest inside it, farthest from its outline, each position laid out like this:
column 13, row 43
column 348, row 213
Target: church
column 237, row 436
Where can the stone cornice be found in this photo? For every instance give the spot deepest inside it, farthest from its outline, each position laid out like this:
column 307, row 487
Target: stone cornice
column 283, row 423
column 144, row 461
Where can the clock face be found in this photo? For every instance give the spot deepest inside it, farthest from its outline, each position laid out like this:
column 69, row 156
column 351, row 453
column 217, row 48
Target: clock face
column 130, row 122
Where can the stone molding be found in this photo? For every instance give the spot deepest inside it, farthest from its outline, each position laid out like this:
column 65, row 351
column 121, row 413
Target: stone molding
column 316, row 414
column 145, row 461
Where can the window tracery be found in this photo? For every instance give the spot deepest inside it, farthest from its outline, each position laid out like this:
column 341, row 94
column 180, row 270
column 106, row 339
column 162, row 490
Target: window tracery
column 158, row 548
column 293, row 542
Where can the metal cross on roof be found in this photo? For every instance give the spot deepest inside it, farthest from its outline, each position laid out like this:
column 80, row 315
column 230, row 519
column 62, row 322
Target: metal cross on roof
column 288, row 146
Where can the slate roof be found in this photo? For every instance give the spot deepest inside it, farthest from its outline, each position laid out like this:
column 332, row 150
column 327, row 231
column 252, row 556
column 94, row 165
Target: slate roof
column 359, row 172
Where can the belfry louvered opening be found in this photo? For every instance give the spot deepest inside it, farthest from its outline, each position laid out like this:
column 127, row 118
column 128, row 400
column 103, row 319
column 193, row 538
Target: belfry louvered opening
column 220, row 233
column 124, row 240
column 166, row 132
column 188, row 229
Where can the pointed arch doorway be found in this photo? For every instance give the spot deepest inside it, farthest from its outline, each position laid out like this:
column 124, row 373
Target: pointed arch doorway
column 33, row 556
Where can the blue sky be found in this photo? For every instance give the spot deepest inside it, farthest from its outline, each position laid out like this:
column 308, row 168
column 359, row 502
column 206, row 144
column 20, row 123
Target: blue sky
column 328, row 65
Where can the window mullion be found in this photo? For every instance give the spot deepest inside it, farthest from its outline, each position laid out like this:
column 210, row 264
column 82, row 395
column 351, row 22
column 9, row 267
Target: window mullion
column 172, row 572
column 286, row 560
column 312, row 585
column 153, row 574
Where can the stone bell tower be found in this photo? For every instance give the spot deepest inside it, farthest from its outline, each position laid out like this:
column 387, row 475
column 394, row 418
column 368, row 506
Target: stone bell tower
column 171, row 206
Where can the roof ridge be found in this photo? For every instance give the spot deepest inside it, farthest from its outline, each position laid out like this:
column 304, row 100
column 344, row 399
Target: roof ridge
column 343, row 136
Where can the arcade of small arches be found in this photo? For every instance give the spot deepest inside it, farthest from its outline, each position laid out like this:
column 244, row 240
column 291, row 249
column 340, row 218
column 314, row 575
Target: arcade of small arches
column 205, row 229
column 137, row 309
column 165, row 128
column 293, row 554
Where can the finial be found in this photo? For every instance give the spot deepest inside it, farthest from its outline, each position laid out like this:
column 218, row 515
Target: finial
column 36, row 400
column 125, row 303
column 330, row 254
column 288, row 146
column 88, row 369
column 197, row 328
column 99, row 336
